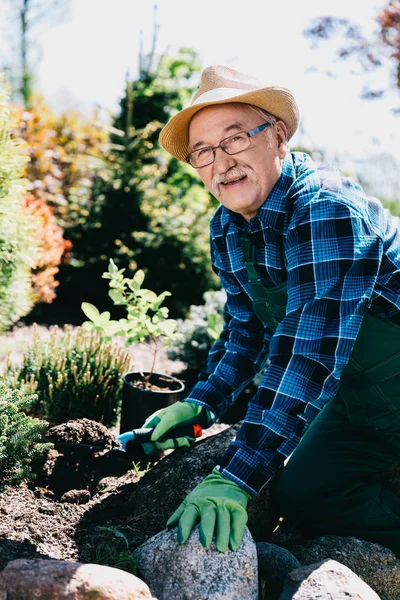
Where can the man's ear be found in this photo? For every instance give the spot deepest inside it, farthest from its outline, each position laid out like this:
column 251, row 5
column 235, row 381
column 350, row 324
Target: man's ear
column 281, row 137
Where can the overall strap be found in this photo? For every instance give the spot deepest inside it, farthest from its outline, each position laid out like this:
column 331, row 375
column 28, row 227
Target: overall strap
column 262, row 303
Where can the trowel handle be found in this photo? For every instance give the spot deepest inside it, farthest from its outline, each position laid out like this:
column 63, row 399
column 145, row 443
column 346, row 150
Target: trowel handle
column 143, row 434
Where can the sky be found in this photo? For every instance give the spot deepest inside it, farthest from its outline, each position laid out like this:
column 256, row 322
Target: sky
column 85, row 58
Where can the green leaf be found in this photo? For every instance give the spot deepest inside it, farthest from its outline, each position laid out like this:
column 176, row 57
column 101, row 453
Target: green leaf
column 104, row 318
column 138, row 277
column 116, row 296
column 147, row 295
column 90, row 311
column 112, row 267
column 168, row 327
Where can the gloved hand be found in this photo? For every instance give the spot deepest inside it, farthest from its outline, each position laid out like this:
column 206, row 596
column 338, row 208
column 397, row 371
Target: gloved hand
column 220, row 505
column 179, row 413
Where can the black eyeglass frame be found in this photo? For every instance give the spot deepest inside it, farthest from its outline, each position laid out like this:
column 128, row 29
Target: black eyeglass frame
column 250, row 134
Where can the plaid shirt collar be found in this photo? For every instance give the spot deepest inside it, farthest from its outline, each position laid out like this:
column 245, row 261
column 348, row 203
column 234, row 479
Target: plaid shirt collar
column 274, row 212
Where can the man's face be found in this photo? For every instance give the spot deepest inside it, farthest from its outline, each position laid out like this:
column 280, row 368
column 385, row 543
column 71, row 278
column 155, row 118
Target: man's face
column 241, row 182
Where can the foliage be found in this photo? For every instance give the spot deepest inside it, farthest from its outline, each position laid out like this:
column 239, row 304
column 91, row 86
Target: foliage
column 52, row 247
column 112, row 550
column 66, row 154
column 18, row 246
column 195, row 335
column 20, row 437
column 146, row 320
column 74, row 373
column 381, row 49
column 152, row 213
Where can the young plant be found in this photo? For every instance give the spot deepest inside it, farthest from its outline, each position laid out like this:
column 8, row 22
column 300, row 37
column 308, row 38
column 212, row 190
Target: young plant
column 146, row 319
column 73, row 375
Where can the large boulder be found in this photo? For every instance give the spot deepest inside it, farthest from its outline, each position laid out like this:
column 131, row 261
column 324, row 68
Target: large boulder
column 328, row 580
column 188, row 571
column 274, row 564
column 376, row 565
column 63, row 580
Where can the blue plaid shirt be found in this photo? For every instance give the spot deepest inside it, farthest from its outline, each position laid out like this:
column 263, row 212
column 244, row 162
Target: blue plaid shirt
column 339, row 253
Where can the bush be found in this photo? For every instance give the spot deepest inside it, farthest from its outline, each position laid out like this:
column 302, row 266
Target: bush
column 152, row 213
column 20, row 437
column 195, row 335
column 67, row 153
column 74, row 375
column 52, row 248
column 18, row 244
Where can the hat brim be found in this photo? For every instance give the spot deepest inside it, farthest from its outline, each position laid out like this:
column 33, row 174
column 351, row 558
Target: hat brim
column 174, row 137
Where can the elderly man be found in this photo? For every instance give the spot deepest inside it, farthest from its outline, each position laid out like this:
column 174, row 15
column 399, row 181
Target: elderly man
column 311, row 268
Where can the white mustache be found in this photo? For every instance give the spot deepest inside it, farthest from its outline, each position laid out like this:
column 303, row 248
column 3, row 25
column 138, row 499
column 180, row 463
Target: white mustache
column 232, row 175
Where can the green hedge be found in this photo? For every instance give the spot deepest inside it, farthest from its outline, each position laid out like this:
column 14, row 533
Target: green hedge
column 18, row 245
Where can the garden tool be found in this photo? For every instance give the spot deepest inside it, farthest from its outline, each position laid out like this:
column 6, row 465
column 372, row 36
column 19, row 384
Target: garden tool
column 79, row 451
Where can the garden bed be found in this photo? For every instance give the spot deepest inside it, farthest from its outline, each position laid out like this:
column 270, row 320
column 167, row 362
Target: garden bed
column 64, row 513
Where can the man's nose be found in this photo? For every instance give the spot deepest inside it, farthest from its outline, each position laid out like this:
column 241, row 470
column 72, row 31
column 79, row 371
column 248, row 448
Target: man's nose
column 222, row 160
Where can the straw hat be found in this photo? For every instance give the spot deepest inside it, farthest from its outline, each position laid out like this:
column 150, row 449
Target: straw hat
column 221, row 85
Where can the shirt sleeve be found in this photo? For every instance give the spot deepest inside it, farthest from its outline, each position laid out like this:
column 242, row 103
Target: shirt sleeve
column 333, row 255
column 237, row 356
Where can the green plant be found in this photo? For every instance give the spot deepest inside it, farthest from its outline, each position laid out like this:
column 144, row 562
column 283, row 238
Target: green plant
column 74, row 373
column 112, row 550
column 195, row 335
column 146, row 320
column 18, row 244
column 20, row 437
column 161, row 225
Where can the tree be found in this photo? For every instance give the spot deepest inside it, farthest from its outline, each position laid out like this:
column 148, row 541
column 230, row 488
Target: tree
column 28, row 18
column 152, row 213
column 380, row 50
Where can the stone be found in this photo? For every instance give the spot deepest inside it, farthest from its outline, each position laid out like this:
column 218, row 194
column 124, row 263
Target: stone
column 188, row 571
column 274, row 564
column 376, row 565
column 76, row 496
column 24, row 579
column 328, row 580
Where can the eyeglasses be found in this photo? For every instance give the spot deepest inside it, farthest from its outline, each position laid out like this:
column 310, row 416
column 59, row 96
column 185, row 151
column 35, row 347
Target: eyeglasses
column 231, row 145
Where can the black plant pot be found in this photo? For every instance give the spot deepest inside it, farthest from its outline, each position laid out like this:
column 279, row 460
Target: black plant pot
column 139, row 403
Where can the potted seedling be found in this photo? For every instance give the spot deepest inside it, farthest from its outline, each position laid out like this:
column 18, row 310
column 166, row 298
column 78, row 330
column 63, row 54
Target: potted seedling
column 147, row 322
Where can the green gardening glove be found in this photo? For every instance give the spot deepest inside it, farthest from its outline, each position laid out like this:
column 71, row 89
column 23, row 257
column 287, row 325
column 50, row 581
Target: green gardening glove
column 220, row 506
column 179, row 413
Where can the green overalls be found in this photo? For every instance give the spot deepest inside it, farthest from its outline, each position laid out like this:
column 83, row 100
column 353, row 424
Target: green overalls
column 332, row 482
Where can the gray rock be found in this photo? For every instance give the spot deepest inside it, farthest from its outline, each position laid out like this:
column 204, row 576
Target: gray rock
column 63, row 580
column 376, row 565
column 188, row 571
column 274, row 563
column 328, row 580
column 76, row 496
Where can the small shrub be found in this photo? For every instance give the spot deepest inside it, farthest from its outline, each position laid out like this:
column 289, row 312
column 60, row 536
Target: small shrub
column 195, row 335
column 20, row 437
column 74, row 374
